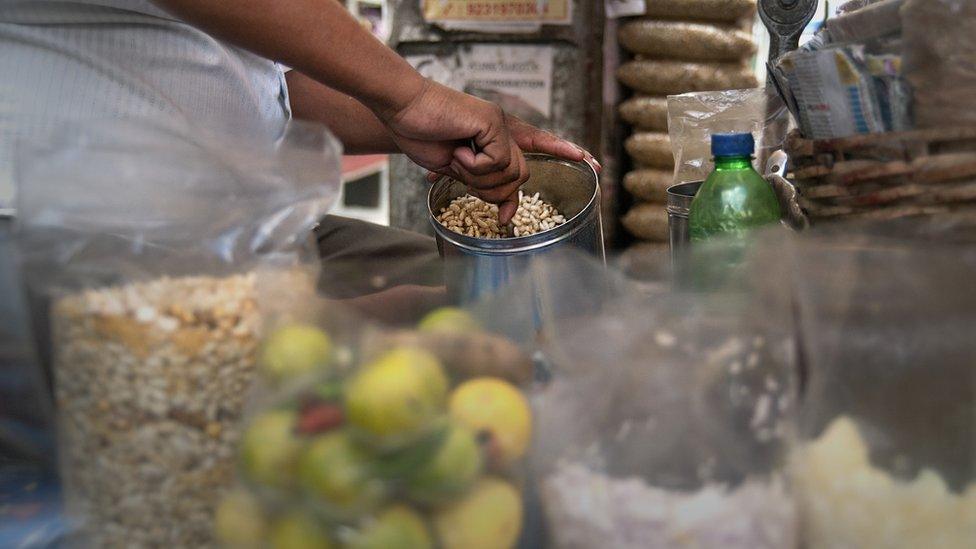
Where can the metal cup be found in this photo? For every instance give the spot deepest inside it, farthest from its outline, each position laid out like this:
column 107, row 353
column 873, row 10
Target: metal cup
column 679, row 203
column 476, row 267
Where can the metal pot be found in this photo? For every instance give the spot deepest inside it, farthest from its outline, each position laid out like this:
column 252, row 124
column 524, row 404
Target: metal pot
column 679, row 202
column 475, row 267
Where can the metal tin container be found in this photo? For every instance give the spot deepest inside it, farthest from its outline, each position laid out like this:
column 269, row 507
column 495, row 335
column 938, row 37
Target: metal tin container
column 475, row 267
column 679, row 202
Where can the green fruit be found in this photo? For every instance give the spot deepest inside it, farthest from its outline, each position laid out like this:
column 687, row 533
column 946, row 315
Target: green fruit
column 338, row 476
column 397, row 527
column 449, row 319
column 397, row 399
column 451, row 471
column 239, row 521
column 298, row 530
column 296, row 350
column 270, row 448
column 406, row 461
column 489, row 516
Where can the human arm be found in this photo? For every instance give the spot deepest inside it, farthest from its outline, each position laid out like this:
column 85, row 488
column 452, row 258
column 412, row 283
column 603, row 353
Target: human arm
column 428, row 122
column 359, row 130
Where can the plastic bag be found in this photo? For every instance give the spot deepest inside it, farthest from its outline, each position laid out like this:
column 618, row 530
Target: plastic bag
column 366, row 435
column 649, row 184
column 647, row 222
column 650, row 149
column 887, row 456
column 686, row 41
column 694, row 117
column 940, row 60
column 145, row 240
column 709, row 10
column 645, row 113
column 666, row 77
column 666, row 423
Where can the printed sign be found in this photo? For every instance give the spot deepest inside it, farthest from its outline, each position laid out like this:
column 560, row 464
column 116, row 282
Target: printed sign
column 499, row 15
column 518, row 78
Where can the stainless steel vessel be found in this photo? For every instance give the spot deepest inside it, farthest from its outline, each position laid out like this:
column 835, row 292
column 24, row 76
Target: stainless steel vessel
column 475, row 267
column 679, row 202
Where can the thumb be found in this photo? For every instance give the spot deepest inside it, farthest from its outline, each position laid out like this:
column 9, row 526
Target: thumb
column 507, row 209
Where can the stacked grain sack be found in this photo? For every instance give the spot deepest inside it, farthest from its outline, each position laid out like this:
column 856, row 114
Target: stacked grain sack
column 679, row 46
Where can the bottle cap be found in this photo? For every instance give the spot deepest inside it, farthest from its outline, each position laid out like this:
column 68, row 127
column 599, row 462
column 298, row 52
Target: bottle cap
column 733, row 144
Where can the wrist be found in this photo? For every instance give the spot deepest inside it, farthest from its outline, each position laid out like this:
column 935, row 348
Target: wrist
column 398, row 97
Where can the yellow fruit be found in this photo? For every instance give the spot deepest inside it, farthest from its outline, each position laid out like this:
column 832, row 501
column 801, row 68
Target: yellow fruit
column 449, row 319
column 397, row 399
column 489, row 516
column 450, row 471
column 239, row 522
column 498, row 413
column 397, row 527
column 298, row 530
column 296, row 350
column 270, row 448
column 337, row 475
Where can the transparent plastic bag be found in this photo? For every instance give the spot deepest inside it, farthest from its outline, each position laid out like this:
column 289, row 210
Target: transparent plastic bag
column 694, row 117
column 666, row 419
column 362, row 434
column 887, row 450
column 144, row 242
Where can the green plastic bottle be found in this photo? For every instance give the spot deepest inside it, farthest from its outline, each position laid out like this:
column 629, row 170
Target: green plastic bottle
column 734, row 198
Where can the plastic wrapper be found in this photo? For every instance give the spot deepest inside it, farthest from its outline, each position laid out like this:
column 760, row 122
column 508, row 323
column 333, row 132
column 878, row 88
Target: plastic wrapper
column 685, row 41
column 668, row 77
column 650, row 149
column 649, row 184
column 361, row 434
column 708, row 10
column 694, row 117
column 940, row 60
column 867, row 23
column 647, row 222
column 887, row 450
column 844, row 90
column 144, row 241
column 645, row 113
column 665, row 423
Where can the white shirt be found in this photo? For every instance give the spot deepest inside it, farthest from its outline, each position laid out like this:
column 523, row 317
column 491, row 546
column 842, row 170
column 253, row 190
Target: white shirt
column 63, row 61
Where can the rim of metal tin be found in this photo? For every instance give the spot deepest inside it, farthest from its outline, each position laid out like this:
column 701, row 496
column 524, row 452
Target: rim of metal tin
column 675, row 199
column 522, row 243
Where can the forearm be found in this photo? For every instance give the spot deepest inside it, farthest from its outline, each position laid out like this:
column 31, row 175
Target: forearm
column 359, row 130
column 317, row 37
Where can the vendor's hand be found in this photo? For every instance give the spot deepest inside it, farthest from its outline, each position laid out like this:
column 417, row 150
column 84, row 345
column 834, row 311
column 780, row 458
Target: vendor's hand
column 533, row 140
column 437, row 129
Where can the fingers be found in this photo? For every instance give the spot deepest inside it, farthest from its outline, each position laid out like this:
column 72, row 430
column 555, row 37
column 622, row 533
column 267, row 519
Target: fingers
column 507, row 209
column 589, row 159
column 490, row 150
column 498, row 185
column 532, row 139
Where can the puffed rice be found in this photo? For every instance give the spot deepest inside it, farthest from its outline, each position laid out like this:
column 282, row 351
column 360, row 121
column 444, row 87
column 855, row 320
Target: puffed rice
column 150, row 380
column 471, row 216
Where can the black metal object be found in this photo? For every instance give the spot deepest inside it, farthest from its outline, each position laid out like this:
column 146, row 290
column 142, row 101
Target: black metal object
column 785, row 21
